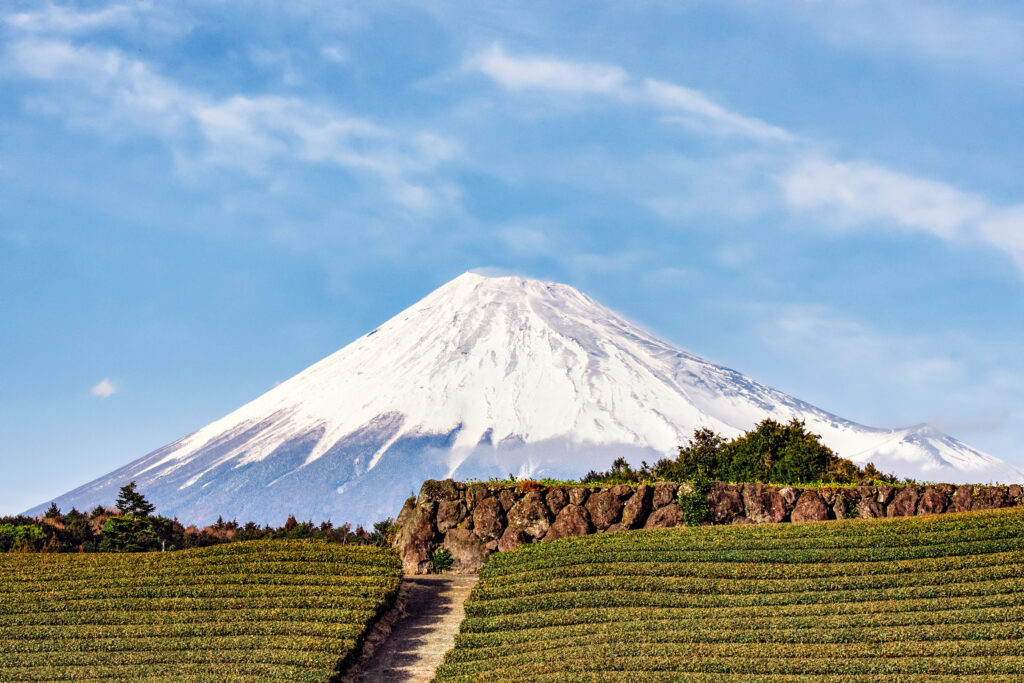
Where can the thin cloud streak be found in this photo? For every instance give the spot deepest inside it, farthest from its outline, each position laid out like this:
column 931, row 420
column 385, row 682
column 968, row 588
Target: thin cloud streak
column 859, row 194
column 705, row 113
column 548, row 74
column 584, row 78
column 56, row 19
column 106, row 89
column 851, row 194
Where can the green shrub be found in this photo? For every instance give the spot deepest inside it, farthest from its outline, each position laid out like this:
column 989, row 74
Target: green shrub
column 440, row 561
column 695, row 504
column 771, row 453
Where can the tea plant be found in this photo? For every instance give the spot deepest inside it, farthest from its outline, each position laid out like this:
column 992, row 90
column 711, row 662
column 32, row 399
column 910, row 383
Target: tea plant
column 928, row 598
column 257, row 610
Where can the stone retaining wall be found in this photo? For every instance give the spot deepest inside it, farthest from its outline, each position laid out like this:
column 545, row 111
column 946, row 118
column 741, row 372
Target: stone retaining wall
column 474, row 520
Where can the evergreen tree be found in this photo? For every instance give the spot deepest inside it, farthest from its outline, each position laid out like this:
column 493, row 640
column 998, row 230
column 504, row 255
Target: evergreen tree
column 132, row 530
column 701, row 457
column 52, row 512
column 77, row 533
column 131, row 502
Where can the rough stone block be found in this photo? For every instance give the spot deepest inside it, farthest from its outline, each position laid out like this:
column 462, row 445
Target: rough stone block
column 572, row 520
column 449, row 514
column 763, row 504
column 530, row 515
column 637, row 507
column 489, row 519
column 725, row 502
column 433, row 490
column 932, row 502
column 469, row 553
column 605, row 508
column 667, row 516
column 810, row 507
column 557, row 499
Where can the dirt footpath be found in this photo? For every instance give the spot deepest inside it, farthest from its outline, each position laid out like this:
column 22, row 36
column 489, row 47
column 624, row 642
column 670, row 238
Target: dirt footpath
column 423, row 628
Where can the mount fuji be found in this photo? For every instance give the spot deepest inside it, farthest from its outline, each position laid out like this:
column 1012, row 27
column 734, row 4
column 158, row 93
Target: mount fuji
column 484, row 377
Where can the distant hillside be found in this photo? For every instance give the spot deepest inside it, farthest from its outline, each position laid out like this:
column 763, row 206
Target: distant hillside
column 482, row 378
column 929, row 598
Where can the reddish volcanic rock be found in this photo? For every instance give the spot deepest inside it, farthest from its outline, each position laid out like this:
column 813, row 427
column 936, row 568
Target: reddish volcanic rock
column 763, row 504
column 415, row 540
column 605, row 508
column 530, row 515
column 990, row 497
column 571, row 521
column 933, row 501
column 664, row 517
column 488, row 519
column 512, row 539
column 810, row 508
column 469, row 553
column 870, row 508
column 904, row 504
column 664, row 493
column 635, row 511
column 556, row 500
column 724, row 502
column 449, row 514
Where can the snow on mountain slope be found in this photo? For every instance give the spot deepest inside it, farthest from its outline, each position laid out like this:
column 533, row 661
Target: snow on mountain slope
column 485, row 377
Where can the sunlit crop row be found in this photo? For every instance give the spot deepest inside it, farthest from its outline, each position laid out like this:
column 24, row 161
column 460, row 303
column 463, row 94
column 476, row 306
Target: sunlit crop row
column 932, row 598
column 263, row 610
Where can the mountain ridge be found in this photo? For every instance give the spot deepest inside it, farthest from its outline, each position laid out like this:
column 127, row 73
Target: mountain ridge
column 485, row 376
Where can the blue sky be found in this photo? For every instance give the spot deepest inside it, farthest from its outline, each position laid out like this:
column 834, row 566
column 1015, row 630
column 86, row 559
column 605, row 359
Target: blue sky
column 199, row 199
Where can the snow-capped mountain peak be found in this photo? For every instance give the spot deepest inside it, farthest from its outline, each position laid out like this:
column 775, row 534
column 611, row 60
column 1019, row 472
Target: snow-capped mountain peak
column 483, row 377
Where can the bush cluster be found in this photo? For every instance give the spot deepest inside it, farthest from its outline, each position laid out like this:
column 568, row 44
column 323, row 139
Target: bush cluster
column 771, row 453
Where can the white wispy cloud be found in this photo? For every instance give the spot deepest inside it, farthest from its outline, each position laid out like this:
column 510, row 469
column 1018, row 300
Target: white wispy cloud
column 334, row 53
column 861, row 194
column 104, row 389
column 693, row 108
column 700, row 112
column 57, row 19
column 849, row 194
column 520, row 73
column 152, row 19
column 1004, row 228
column 105, row 88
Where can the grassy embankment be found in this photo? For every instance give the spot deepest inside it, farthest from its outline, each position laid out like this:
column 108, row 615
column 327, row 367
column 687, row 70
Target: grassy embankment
column 935, row 598
column 259, row 610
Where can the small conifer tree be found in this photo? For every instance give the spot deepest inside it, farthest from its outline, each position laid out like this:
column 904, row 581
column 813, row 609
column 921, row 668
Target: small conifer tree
column 132, row 530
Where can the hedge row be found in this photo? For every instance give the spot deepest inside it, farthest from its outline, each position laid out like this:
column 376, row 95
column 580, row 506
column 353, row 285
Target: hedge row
column 871, row 599
column 273, row 610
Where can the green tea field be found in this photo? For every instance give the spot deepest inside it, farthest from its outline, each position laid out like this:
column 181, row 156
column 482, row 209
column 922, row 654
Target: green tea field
column 259, row 610
column 927, row 598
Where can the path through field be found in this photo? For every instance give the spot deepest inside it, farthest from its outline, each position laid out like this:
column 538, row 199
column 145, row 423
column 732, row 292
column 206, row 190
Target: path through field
column 412, row 652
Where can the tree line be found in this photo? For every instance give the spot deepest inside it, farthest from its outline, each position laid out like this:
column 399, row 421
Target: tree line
column 132, row 526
